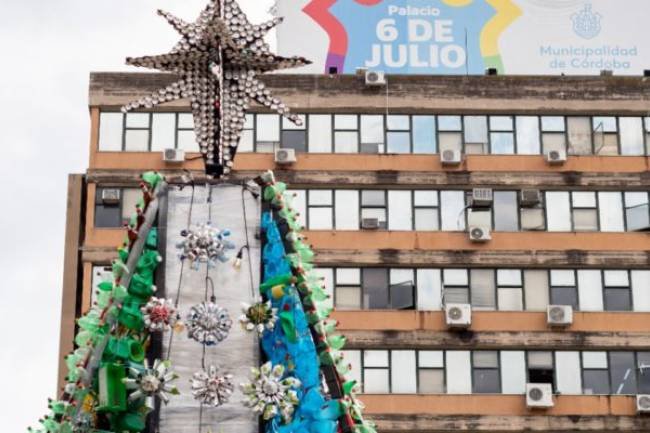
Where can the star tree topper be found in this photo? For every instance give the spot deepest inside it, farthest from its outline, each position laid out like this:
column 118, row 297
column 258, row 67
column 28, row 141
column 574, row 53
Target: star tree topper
column 217, row 61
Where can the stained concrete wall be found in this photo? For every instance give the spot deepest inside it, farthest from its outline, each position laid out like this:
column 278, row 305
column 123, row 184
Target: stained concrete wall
column 240, row 350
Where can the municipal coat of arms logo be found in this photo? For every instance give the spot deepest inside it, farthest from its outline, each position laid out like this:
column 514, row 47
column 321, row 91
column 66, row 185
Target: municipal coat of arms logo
column 586, row 23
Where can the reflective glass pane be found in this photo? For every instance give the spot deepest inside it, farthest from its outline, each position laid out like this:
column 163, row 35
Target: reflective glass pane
column 398, row 142
column 345, row 121
column 579, row 133
column 553, row 123
column 346, row 142
column 452, row 210
column 426, row 219
column 564, row 296
column 643, row 365
column 431, row 381
column 185, row 121
column 429, row 289
column 594, row 359
column 631, row 136
column 397, row 122
column 187, row 141
column 424, row 134
column 596, row 382
column 455, row 277
column 375, row 288
column 375, row 381
column 450, row 141
column 320, row 133
column 509, row 277
column 431, row 358
column 506, row 211
column 372, row 129
column 456, row 295
column 288, row 124
column 373, row 198
column 320, row 197
column 538, row 359
column 605, row 144
column 137, row 120
column 605, row 124
column 375, row 358
column 486, row 381
column 528, row 135
column 510, row 299
column 610, row 209
column 130, row 198
column 485, row 359
column 502, row 143
column 618, row 299
column 501, row 123
column 249, row 121
column 532, row 218
column 476, row 130
column 348, row 298
column 296, row 140
column 561, row 277
column 110, row 132
column 136, row 140
column 536, row 289
column 348, row 276
column 403, row 374
column 617, row 279
column 483, row 289
column 622, row 371
column 320, row 218
column 584, row 199
column 425, row 198
column 553, row 141
column 449, row 123
column 585, row 220
column 268, row 127
column 163, row 131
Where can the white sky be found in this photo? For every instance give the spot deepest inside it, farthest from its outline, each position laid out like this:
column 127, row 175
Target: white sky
column 48, row 49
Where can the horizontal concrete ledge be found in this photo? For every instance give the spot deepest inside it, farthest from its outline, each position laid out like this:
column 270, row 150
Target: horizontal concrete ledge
column 483, row 258
column 600, row 324
column 493, row 404
column 508, row 424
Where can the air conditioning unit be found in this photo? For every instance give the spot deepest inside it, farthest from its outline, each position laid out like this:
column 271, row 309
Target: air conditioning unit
column 285, row 156
column 174, row 155
column 530, row 197
column 643, row 403
column 479, row 234
column 111, row 196
column 375, row 78
column 559, row 315
column 556, row 157
column 458, row 315
column 481, row 197
column 370, row 223
column 451, row 157
column 539, row 395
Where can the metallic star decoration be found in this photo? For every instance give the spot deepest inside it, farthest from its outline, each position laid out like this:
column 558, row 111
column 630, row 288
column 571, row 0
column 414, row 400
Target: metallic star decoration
column 217, row 60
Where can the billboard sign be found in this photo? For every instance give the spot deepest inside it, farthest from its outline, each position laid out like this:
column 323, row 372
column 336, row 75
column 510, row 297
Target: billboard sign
column 467, row 36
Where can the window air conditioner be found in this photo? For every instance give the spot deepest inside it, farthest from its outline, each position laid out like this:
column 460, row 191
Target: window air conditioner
column 539, row 395
column 451, row 157
column 458, row 315
column 375, row 78
column 370, row 223
column 174, row 155
column 285, row 156
column 111, row 196
column 479, row 234
column 530, row 197
column 559, row 315
column 481, row 197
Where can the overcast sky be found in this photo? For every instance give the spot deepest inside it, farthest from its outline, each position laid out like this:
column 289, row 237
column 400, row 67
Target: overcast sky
column 48, row 49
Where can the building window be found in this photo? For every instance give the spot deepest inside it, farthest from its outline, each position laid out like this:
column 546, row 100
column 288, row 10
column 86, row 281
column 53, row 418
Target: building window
column 482, row 289
column 426, row 210
column 622, row 370
column 375, row 288
column 579, row 133
column 136, row 132
column 320, row 133
column 643, row 369
column 553, row 133
column 294, row 136
column 610, row 212
column 431, row 372
column 510, row 290
column 247, row 141
column 376, row 371
column 163, row 131
column 595, row 373
column 347, row 291
column 101, row 274
column 186, row 137
column 502, row 137
column 455, row 286
column 563, row 288
column 424, row 134
column 486, row 378
column 398, row 134
column 527, row 135
column 453, row 208
column 401, row 292
column 605, row 135
column 618, row 294
column 346, row 209
column 113, row 211
column 450, row 133
column 584, row 211
column 637, row 211
column 540, row 367
column 346, row 133
column 646, row 129
column 267, row 129
column 373, row 206
column 631, row 134
column 476, row 134
column 532, row 214
column 372, row 133
column 506, row 211
column 536, row 289
column 320, row 204
column 558, row 211
column 110, row 131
